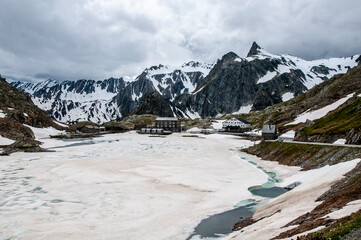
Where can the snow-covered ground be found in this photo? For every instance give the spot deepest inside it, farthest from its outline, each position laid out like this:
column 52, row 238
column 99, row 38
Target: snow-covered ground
column 132, row 186
column 347, row 210
column 218, row 124
column 6, row 141
column 122, row 186
column 287, row 96
column 340, row 141
column 290, row 134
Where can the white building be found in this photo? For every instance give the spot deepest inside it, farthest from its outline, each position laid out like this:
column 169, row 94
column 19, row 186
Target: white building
column 236, row 124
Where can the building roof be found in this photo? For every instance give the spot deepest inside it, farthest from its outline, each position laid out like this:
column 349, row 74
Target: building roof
column 243, row 120
column 269, row 128
column 166, row 119
column 239, row 119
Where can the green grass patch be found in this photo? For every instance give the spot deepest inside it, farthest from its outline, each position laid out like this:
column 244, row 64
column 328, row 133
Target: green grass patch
column 339, row 229
column 338, row 122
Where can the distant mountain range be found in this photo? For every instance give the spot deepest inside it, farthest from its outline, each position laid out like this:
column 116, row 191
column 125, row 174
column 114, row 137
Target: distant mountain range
column 231, row 85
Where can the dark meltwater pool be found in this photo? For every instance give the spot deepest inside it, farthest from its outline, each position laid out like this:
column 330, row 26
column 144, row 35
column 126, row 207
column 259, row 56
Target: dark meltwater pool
column 221, row 224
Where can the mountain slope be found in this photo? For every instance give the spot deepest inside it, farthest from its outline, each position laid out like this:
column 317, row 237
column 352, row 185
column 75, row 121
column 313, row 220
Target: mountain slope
column 155, row 104
column 329, row 111
column 109, row 99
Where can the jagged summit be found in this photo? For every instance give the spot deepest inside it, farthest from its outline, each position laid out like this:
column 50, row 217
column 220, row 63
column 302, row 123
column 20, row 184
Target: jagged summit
column 196, row 64
column 155, row 104
column 230, row 55
column 255, row 49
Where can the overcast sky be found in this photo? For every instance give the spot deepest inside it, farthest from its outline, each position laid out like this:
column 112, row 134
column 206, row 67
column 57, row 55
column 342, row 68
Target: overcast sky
column 98, row 39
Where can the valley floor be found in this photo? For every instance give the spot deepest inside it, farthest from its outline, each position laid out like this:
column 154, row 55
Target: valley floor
column 131, row 186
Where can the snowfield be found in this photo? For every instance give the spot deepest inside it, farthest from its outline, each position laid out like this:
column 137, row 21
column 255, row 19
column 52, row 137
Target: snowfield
column 122, row 186
column 131, row 186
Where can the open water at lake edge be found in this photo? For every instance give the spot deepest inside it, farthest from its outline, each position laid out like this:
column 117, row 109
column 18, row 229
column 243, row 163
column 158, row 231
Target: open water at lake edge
column 221, row 224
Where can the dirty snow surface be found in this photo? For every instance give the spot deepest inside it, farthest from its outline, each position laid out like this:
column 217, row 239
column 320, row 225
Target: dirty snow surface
column 132, row 186
column 122, row 186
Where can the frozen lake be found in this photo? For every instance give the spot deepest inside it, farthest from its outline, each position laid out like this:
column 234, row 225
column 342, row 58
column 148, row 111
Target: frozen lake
column 123, row 186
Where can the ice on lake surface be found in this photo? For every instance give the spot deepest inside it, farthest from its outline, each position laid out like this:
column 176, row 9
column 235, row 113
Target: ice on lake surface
column 123, row 186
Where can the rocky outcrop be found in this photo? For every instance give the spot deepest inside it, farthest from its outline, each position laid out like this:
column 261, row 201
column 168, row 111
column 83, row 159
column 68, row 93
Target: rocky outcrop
column 233, row 83
column 353, row 136
column 19, row 110
column 304, row 155
column 155, row 104
column 19, row 107
column 255, row 49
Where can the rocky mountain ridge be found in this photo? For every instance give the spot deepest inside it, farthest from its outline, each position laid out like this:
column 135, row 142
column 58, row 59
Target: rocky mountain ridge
column 17, row 113
column 238, row 85
column 193, row 90
column 109, row 99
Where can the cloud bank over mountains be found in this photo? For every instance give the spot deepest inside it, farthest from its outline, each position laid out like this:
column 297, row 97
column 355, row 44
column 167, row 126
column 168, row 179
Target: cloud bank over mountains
column 97, row 39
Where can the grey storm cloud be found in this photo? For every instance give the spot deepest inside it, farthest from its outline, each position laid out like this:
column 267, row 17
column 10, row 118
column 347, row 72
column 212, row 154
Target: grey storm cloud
column 97, row 39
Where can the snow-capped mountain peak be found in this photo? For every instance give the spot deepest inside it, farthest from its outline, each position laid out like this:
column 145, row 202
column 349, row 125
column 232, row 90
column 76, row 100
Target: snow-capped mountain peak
column 254, row 50
column 195, row 89
column 315, row 71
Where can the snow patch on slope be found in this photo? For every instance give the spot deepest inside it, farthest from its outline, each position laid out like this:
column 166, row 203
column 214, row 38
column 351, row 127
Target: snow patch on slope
column 287, row 96
column 319, row 113
column 6, row 141
column 218, row 124
column 290, row 134
column 267, row 77
column 340, row 141
column 347, row 210
column 244, row 109
column 43, row 133
column 2, row 114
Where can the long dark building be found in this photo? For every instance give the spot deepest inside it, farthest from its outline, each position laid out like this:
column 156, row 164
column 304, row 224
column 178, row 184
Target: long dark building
column 168, row 124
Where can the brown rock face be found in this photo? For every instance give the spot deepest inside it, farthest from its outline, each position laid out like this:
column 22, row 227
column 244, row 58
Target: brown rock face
column 353, row 137
column 19, row 110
